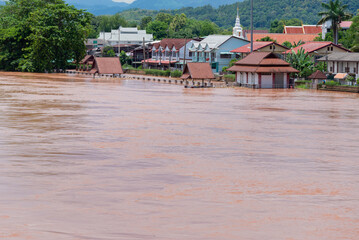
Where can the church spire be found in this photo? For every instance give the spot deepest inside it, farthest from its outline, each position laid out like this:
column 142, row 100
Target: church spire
column 237, row 30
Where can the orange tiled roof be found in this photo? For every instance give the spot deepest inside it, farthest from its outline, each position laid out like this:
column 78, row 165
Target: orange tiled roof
column 281, row 37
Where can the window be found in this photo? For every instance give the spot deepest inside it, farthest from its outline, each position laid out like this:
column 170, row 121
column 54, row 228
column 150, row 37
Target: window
column 331, row 69
column 226, row 56
column 190, row 54
column 347, row 69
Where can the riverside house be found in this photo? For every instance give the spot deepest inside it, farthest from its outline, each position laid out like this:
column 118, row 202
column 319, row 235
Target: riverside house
column 262, row 70
column 344, row 62
column 319, row 49
column 170, row 53
column 216, row 50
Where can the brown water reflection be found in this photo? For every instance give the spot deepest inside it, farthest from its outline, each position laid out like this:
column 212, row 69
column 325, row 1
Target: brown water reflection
column 137, row 160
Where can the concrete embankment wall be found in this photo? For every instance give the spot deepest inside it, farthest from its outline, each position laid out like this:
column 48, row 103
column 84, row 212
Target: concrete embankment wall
column 340, row 89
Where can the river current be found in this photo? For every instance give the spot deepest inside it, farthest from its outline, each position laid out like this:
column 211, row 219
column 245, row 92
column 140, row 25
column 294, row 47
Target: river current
column 84, row 159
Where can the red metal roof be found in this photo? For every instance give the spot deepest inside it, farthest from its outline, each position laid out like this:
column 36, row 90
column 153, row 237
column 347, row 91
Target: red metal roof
column 107, row 65
column 310, row 47
column 172, row 42
column 346, row 24
column 281, row 37
column 198, row 71
column 166, row 62
column 256, row 46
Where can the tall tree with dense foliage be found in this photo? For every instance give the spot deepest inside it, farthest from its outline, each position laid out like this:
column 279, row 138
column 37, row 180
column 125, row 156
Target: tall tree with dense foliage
column 301, row 61
column 353, row 34
column 336, row 12
column 41, row 35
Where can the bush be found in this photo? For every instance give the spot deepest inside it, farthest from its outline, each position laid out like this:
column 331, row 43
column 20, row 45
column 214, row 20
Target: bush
column 176, row 73
column 332, row 83
column 230, row 77
column 161, row 73
column 140, row 67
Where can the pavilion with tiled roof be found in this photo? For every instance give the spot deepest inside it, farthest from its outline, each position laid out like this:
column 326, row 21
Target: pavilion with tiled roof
column 198, row 71
column 263, row 70
column 107, row 66
column 317, row 77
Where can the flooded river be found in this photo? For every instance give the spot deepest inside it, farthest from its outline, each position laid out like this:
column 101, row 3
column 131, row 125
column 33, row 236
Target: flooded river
column 129, row 160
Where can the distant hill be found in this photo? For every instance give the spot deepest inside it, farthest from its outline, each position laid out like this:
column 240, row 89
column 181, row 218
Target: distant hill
column 109, row 7
column 265, row 11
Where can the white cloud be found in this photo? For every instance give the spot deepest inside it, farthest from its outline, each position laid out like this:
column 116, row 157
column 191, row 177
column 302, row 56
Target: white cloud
column 124, row 1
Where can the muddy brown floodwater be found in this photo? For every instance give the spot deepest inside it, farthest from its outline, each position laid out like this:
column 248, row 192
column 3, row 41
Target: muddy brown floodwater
column 129, row 160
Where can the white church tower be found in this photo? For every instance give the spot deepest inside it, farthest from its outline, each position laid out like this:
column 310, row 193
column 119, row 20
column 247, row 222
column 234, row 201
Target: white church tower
column 237, row 30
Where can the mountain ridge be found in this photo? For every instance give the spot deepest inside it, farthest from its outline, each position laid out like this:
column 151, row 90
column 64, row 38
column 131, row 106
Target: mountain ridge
column 110, row 7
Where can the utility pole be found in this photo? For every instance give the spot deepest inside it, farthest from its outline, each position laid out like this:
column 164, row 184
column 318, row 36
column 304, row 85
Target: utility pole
column 144, row 53
column 184, row 55
column 119, row 40
column 251, row 26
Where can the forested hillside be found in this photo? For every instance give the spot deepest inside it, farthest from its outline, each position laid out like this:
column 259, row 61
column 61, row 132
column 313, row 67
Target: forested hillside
column 265, row 11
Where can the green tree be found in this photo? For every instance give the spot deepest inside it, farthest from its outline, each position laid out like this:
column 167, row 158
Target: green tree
column 108, row 51
column 266, row 39
column 352, row 35
column 336, row 12
column 41, row 35
column 124, row 59
column 287, row 44
column 178, row 22
column 301, row 61
column 164, row 17
column 158, row 29
column 145, row 21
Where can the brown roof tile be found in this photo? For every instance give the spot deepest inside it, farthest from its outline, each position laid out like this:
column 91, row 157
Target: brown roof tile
column 318, row 75
column 197, row 70
column 281, row 37
column 107, row 65
column 262, row 62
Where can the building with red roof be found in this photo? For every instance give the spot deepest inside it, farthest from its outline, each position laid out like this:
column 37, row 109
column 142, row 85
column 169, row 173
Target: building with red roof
column 319, row 49
column 263, row 70
column 260, row 47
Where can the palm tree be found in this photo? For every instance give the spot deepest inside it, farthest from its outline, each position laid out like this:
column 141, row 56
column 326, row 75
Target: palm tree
column 335, row 12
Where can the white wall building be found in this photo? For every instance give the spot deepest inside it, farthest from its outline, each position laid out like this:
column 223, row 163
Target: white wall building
column 125, row 36
column 342, row 63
